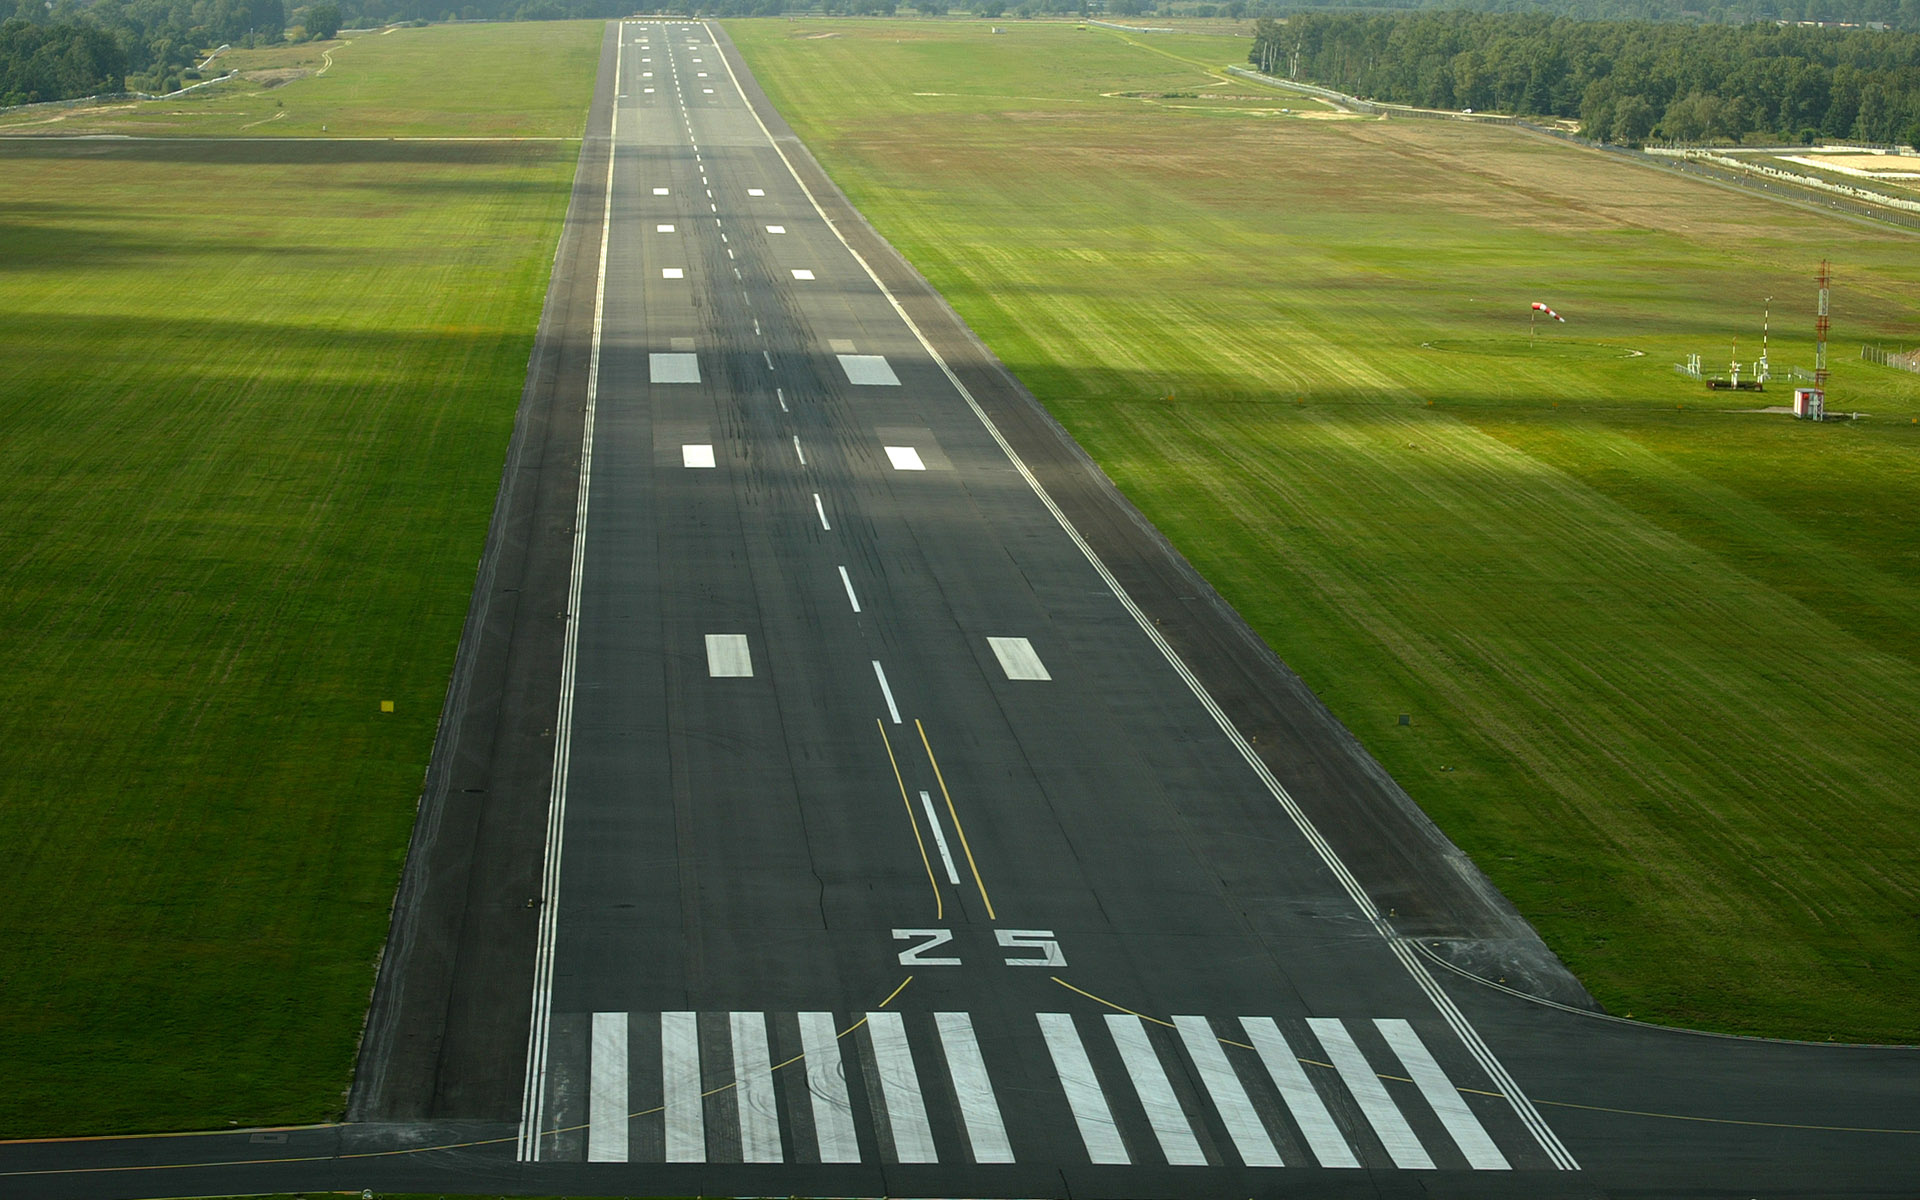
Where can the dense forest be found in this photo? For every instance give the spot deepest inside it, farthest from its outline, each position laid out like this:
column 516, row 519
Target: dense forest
column 54, row 51
column 1626, row 81
column 1895, row 14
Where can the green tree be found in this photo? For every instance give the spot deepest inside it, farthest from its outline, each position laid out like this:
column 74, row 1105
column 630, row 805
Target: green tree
column 322, row 20
column 1632, row 121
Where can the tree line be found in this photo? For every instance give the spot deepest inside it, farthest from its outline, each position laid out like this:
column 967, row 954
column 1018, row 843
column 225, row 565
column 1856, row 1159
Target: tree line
column 62, row 50
column 1625, row 81
column 1895, row 14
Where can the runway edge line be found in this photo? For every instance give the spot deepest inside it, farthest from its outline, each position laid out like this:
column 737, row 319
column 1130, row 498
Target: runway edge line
column 533, row 1101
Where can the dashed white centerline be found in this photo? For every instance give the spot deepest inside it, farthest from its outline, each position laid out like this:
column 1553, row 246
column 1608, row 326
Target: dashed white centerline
column 781, row 395
column 766, row 354
column 848, row 581
column 939, row 836
column 822, row 510
column 756, row 327
column 802, row 456
column 880, row 673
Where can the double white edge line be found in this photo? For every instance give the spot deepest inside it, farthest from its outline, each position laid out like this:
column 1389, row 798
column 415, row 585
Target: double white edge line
column 533, row 1100
column 1455, row 1019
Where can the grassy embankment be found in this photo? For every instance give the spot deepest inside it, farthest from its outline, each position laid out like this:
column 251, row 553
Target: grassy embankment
column 253, row 404
column 528, row 79
column 1660, row 655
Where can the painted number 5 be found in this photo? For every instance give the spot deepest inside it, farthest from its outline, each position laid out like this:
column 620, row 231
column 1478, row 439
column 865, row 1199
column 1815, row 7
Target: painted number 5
column 1031, row 939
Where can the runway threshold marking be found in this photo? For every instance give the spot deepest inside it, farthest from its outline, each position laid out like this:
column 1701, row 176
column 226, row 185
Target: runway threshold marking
column 1450, row 1012
column 900, row 1089
column 1442, row 1096
column 1229, row 1096
column 973, row 1090
column 1099, row 1132
column 607, row 1099
column 954, row 813
column 1157, row 1097
column 1392, row 1128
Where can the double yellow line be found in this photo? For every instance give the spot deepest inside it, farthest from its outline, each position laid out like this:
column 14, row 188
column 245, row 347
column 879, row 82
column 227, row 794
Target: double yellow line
column 913, row 819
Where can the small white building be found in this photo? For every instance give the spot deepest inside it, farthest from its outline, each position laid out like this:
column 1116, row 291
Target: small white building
column 1809, row 404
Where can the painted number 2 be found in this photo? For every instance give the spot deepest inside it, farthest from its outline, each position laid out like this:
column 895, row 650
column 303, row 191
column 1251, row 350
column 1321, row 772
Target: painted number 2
column 1041, row 948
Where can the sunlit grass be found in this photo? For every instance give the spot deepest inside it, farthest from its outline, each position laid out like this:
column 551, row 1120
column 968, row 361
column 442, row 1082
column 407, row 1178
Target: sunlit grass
column 254, row 399
column 518, row 79
column 1659, row 655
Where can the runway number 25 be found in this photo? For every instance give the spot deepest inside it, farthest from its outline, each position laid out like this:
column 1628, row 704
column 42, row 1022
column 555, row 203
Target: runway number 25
column 1043, row 949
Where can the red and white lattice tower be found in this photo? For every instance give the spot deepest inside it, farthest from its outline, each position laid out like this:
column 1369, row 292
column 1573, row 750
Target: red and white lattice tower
column 1825, row 280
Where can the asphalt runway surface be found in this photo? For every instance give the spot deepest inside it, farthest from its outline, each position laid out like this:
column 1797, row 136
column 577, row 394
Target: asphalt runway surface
column 843, row 791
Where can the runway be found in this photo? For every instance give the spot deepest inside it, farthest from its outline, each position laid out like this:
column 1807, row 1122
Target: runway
column 792, row 818
column 845, row 792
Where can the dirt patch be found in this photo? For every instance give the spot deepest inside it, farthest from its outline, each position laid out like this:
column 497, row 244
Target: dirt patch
column 276, row 76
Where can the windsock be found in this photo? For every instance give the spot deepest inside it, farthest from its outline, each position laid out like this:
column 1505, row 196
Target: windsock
column 1539, row 307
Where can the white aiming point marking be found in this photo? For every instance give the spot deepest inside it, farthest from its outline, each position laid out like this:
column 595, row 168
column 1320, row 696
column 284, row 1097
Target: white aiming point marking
column 696, row 456
column 905, row 458
column 659, row 191
column 776, row 229
column 648, row 91
column 663, row 229
column 802, row 273
column 672, row 273
column 727, row 656
column 756, row 191
column 1017, row 658
column 708, row 91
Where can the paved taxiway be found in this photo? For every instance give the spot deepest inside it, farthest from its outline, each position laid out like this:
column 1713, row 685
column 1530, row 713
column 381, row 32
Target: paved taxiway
column 913, row 821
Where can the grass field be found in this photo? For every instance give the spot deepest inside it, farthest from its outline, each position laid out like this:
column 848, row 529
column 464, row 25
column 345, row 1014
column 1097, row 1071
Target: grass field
column 1660, row 655
column 254, row 398
column 525, row 79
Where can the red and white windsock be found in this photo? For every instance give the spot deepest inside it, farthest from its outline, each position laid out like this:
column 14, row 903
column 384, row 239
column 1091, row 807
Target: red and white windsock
column 1539, row 307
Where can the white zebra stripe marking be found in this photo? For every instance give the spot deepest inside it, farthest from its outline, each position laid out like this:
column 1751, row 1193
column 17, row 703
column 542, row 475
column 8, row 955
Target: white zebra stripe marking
column 1229, row 1098
column 607, row 1089
column 1448, row 1104
column 1149, row 1077
column 971, row 1087
column 682, row 1109
column 753, row 1089
column 1089, row 1105
column 827, row 1087
column 1395, row 1134
column 900, row 1089
column 1309, row 1111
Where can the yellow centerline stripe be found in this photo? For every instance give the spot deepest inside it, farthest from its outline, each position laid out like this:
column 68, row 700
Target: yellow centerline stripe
column 957, row 827
column 939, row 905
